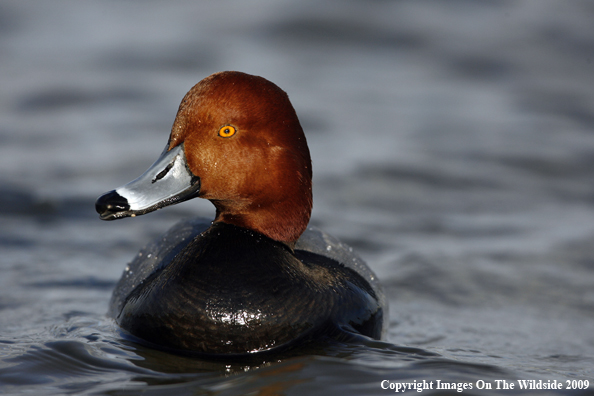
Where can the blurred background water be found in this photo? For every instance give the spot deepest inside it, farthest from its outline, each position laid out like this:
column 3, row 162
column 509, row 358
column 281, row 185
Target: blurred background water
column 453, row 148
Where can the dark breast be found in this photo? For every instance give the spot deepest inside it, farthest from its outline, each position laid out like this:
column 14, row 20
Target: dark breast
column 230, row 290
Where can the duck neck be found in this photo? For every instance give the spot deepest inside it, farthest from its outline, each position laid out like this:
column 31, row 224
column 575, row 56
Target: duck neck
column 283, row 221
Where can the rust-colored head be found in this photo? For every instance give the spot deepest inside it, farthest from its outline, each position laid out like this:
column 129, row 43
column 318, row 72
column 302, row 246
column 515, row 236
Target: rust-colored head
column 243, row 139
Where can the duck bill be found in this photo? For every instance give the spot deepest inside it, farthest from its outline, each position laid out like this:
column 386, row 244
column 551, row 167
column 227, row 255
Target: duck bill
column 168, row 181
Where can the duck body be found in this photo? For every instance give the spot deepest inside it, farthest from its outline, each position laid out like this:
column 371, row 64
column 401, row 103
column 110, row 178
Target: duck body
column 228, row 290
column 255, row 279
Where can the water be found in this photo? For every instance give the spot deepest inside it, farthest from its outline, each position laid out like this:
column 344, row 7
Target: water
column 453, row 148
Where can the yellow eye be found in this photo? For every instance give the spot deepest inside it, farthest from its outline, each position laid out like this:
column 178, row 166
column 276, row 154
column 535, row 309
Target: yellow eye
column 227, row 131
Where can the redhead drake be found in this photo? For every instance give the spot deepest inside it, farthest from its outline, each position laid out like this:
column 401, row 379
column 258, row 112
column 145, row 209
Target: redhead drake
column 256, row 278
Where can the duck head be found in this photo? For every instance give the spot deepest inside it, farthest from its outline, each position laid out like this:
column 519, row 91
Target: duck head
column 236, row 141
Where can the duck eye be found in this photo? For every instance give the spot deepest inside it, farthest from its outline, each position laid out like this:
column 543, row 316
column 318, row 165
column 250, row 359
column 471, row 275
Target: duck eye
column 227, row 131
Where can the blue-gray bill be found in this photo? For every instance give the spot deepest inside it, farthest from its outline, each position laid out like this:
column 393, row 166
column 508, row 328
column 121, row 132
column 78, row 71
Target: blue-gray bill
column 167, row 182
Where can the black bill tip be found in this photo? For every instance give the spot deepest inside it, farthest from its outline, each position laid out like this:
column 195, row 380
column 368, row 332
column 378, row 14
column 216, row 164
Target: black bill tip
column 111, row 206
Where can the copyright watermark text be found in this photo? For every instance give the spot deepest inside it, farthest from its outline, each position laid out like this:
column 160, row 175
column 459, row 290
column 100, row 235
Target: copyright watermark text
column 420, row 386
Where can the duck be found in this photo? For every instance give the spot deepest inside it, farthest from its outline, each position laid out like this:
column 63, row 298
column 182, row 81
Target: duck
column 257, row 278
